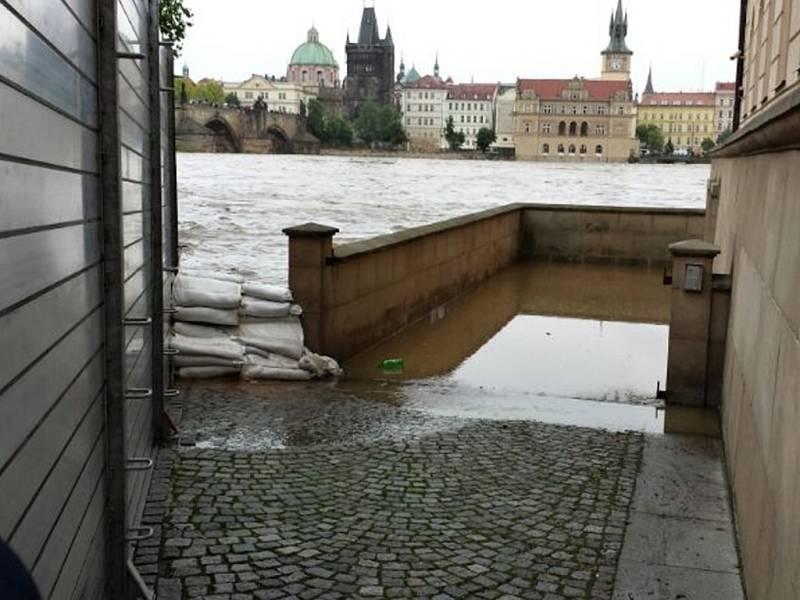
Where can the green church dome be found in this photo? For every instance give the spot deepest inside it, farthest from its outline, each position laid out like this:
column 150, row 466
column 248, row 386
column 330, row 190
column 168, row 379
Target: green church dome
column 313, row 52
column 413, row 75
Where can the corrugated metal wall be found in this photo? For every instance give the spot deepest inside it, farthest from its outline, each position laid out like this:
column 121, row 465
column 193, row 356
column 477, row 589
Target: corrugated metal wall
column 60, row 302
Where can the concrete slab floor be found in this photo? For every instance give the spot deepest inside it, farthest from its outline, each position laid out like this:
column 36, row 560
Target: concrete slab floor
column 680, row 542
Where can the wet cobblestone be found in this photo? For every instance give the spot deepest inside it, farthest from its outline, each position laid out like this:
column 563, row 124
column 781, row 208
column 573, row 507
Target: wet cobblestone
column 480, row 509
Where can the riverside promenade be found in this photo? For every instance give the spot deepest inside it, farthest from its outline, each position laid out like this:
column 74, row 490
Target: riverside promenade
column 302, row 492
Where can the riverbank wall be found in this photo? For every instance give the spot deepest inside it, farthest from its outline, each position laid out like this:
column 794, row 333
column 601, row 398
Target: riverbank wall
column 757, row 227
column 359, row 293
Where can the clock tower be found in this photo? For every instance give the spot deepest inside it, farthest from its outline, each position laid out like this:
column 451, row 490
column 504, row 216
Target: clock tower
column 617, row 56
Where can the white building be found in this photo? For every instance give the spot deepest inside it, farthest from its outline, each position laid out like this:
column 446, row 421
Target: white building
column 422, row 105
column 504, row 103
column 724, row 95
column 280, row 96
column 472, row 106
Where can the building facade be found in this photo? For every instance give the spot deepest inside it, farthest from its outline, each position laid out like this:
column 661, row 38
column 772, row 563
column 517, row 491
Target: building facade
column 724, row 95
column 423, row 107
column 312, row 64
column 472, row 107
column 575, row 119
column 505, row 101
column 685, row 118
column 581, row 119
column 370, row 65
column 280, row 96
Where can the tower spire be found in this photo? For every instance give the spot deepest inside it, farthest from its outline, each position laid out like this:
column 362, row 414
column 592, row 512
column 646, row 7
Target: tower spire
column 648, row 89
column 436, row 65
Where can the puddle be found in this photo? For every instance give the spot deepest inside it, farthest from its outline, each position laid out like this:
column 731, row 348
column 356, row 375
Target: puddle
column 571, row 344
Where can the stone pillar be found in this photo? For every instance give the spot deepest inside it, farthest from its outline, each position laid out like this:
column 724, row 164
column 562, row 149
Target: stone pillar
column 690, row 324
column 310, row 246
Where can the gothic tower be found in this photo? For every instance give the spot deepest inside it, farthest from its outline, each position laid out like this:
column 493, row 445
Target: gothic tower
column 617, row 56
column 370, row 65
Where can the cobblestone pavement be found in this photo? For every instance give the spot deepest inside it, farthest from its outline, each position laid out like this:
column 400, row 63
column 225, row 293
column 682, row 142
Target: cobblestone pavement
column 473, row 509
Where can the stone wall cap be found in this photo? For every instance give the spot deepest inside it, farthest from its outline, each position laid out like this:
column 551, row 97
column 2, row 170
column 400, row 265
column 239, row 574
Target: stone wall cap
column 311, row 230
column 694, row 248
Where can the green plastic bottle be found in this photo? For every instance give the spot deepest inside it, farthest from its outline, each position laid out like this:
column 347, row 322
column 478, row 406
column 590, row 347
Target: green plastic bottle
column 392, row 364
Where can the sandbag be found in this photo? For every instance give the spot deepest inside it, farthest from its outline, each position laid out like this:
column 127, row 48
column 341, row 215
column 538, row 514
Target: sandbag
column 200, row 331
column 231, row 277
column 281, row 336
column 191, row 360
column 265, row 291
column 264, row 309
column 319, row 366
column 256, row 351
column 220, row 348
column 212, row 316
column 206, row 372
column 203, row 292
column 272, row 360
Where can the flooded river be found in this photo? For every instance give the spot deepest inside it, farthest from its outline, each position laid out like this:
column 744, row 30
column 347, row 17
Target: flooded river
column 233, row 207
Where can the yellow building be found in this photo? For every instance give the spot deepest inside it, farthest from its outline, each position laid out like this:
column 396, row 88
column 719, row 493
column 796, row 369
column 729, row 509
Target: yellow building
column 685, row 119
column 581, row 119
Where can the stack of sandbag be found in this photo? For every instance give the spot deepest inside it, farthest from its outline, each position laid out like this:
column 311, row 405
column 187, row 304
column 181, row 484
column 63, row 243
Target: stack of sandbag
column 225, row 326
column 206, row 300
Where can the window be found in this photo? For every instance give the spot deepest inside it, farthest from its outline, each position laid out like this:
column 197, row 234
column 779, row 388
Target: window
column 248, row 95
column 601, row 110
column 527, row 127
column 305, row 76
column 583, row 148
column 600, row 130
column 622, row 110
column 598, row 150
column 546, row 149
column 561, row 148
column 562, row 128
column 545, row 127
column 547, row 108
column 573, row 128
column 562, row 109
column 462, row 118
column 574, row 109
column 572, row 148
column 585, row 109
column 584, row 129
column 451, row 106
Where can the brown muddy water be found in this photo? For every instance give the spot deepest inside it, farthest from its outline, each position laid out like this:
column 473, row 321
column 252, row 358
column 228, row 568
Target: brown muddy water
column 574, row 344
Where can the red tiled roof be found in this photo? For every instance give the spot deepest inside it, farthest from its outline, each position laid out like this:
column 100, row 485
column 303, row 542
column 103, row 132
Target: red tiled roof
column 552, row 89
column 429, row 82
column 678, row 99
column 726, row 86
column 472, row 91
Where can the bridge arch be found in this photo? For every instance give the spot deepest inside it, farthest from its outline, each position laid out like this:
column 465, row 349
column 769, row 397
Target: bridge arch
column 225, row 139
column 280, row 140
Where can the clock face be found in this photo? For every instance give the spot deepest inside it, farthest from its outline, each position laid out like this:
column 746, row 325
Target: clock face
column 616, row 64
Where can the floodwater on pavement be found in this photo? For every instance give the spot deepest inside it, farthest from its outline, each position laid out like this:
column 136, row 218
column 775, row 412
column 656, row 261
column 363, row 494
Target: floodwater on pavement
column 580, row 345
column 234, row 206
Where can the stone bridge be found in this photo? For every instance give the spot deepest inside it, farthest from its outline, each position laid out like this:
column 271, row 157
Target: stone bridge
column 203, row 128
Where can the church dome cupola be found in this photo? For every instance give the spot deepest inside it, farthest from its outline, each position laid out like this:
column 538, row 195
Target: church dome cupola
column 313, row 64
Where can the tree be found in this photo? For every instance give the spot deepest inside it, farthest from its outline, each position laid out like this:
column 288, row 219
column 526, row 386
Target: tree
column 367, row 123
column 669, row 148
column 303, row 109
column 232, row 100
column 209, row 92
column 651, row 136
column 707, row 145
column 175, row 19
column 485, row 138
column 455, row 139
column 390, row 126
column 316, row 120
column 338, row 131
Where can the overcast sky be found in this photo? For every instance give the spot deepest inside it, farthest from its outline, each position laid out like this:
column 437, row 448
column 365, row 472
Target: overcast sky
column 688, row 42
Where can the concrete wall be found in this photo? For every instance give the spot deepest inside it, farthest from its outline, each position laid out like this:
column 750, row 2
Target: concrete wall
column 758, row 230
column 607, row 234
column 359, row 293
column 376, row 287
